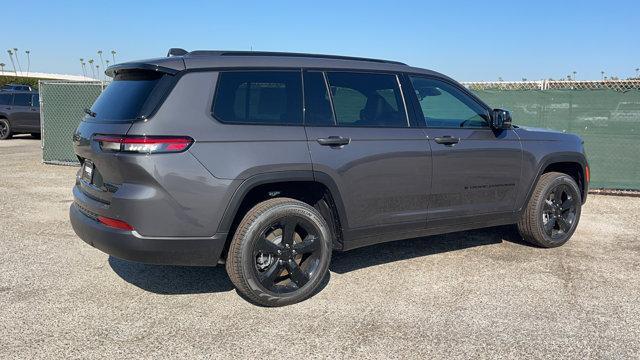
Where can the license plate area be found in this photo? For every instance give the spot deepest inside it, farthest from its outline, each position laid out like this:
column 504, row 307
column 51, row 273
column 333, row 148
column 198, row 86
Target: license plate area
column 87, row 171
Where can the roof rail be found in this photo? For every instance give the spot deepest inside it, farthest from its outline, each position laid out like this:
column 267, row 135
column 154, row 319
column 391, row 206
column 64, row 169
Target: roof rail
column 286, row 54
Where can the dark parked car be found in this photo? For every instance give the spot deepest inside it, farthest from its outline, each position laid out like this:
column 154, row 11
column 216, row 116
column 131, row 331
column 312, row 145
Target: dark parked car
column 268, row 162
column 19, row 113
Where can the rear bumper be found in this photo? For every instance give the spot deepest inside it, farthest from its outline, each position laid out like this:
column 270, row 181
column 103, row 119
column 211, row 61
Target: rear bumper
column 131, row 246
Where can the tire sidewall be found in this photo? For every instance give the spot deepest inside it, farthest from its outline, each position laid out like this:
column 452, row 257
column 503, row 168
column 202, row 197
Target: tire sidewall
column 8, row 125
column 560, row 180
column 255, row 229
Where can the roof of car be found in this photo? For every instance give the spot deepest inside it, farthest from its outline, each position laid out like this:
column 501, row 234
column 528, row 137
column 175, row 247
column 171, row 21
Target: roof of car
column 179, row 60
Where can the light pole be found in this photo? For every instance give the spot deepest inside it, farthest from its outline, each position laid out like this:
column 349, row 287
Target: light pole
column 15, row 51
column 28, row 52
column 12, row 62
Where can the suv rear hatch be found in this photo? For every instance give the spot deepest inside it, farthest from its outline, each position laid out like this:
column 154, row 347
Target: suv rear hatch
column 133, row 95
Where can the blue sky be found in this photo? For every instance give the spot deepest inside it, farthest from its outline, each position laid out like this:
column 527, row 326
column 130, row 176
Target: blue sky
column 468, row 40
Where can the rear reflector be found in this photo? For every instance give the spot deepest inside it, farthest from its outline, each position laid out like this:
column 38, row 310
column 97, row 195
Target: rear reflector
column 116, row 224
column 587, row 173
column 143, row 144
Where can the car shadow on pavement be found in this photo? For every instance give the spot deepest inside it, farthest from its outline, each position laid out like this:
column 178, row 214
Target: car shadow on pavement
column 172, row 280
column 344, row 262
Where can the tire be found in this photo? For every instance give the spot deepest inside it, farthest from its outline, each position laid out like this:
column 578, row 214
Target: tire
column 5, row 129
column 280, row 252
column 553, row 212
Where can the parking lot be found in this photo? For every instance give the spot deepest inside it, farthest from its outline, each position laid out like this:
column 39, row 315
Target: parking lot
column 480, row 294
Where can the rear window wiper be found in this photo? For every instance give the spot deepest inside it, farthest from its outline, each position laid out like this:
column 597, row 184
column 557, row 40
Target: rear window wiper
column 89, row 112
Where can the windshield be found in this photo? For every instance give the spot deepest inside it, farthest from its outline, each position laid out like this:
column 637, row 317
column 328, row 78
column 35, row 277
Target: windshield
column 125, row 98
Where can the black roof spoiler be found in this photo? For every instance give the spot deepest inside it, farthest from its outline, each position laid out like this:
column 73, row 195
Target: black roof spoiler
column 176, row 52
column 113, row 70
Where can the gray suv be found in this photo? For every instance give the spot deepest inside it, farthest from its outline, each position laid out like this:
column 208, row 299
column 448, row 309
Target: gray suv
column 268, row 162
column 19, row 113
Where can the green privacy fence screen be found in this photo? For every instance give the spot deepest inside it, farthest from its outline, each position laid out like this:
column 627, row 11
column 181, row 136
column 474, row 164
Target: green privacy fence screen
column 608, row 121
column 62, row 107
column 606, row 114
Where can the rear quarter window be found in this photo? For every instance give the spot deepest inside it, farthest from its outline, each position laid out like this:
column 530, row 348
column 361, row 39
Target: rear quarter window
column 259, row 97
column 127, row 97
column 5, row 99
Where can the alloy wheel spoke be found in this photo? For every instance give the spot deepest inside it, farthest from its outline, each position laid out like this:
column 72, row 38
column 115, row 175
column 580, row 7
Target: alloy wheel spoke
column 309, row 244
column 563, row 224
column 557, row 194
column 296, row 274
column 268, row 277
column 289, row 228
column 566, row 205
column 267, row 247
column 551, row 223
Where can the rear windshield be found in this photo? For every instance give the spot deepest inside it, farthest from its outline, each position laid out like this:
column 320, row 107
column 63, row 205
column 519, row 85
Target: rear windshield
column 128, row 96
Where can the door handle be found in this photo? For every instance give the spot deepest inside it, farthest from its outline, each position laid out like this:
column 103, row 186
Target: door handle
column 334, row 141
column 447, row 140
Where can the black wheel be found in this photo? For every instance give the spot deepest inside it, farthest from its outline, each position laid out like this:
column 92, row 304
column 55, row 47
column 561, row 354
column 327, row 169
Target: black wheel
column 5, row 129
column 553, row 211
column 280, row 252
column 35, row 135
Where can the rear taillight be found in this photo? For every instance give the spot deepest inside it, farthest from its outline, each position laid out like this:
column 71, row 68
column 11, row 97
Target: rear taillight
column 114, row 223
column 143, row 144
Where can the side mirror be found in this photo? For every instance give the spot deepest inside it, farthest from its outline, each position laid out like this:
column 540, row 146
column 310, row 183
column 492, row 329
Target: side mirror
column 500, row 119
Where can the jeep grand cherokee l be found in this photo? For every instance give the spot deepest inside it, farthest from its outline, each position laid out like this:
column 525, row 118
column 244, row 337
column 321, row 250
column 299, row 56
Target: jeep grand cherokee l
column 268, row 162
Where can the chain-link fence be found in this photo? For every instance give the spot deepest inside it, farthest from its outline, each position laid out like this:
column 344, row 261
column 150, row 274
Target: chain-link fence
column 606, row 114
column 62, row 107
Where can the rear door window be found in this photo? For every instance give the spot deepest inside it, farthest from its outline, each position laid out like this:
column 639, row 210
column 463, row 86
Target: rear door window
column 127, row 97
column 317, row 103
column 367, row 99
column 259, row 97
column 35, row 102
column 22, row 100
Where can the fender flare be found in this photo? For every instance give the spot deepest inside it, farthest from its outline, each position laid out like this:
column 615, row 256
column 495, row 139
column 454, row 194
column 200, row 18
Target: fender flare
column 275, row 177
column 572, row 157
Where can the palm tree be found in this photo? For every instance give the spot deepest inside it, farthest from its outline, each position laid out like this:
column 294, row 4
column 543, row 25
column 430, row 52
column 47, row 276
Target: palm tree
column 602, row 73
column 98, row 72
column 28, row 52
column 15, row 51
column 12, row 62
column 100, row 54
column 637, row 70
column 113, row 55
column 574, row 75
column 93, row 75
column 84, row 72
column 2, row 67
column 107, row 62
